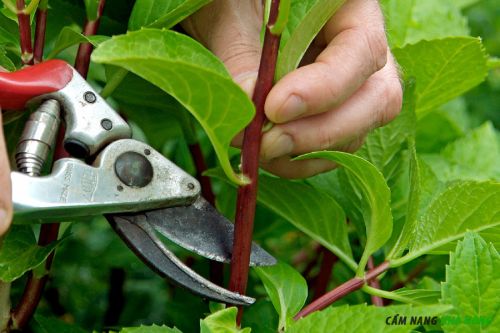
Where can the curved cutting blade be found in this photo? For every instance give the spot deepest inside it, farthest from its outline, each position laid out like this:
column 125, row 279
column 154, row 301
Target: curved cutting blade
column 202, row 229
column 140, row 237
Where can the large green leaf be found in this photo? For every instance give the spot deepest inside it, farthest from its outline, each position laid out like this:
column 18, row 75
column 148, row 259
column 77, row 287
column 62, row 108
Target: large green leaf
column 187, row 71
column 411, row 21
column 150, row 329
column 223, row 321
column 286, row 288
column 367, row 319
column 472, row 287
column 312, row 211
column 305, row 20
column 69, row 37
column 473, row 157
column 443, row 68
column 161, row 13
column 370, row 183
column 20, row 253
column 442, row 126
column 463, row 206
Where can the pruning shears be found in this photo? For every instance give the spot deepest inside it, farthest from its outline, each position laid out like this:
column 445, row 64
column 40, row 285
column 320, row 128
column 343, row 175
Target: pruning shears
column 139, row 191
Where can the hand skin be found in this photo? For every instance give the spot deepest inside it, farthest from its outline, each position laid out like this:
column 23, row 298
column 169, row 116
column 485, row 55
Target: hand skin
column 347, row 85
column 5, row 186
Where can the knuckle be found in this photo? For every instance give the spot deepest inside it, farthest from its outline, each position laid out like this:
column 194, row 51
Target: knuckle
column 392, row 94
column 376, row 43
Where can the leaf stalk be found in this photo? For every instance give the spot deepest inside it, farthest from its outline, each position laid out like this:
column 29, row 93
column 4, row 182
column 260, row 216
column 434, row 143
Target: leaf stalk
column 344, row 289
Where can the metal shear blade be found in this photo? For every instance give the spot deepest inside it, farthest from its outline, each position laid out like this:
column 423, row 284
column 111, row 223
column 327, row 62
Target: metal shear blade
column 139, row 235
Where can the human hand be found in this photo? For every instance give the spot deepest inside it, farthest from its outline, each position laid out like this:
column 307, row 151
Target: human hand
column 348, row 83
column 5, row 186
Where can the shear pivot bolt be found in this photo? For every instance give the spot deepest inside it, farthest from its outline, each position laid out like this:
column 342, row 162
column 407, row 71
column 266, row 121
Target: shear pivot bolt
column 89, row 97
column 133, row 169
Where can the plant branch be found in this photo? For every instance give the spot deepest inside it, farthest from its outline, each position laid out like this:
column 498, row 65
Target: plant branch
column 377, row 301
column 389, row 295
column 116, row 297
column 325, row 273
column 41, row 25
column 344, row 289
column 24, row 33
column 4, row 305
column 90, row 27
column 247, row 194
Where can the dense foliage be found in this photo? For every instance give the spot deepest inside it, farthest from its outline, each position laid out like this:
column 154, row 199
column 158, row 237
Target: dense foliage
column 422, row 194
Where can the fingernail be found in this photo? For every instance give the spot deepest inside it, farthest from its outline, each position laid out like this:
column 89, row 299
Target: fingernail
column 293, row 108
column 275, row 145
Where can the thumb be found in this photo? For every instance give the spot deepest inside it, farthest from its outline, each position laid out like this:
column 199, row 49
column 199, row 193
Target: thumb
column 5, row 185
column 231, row 30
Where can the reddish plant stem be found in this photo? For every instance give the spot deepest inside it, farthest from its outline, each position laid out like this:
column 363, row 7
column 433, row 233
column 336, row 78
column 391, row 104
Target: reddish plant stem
column 90, row 28
column 216, row 269
column 201, row 167
column 24, row 33
column 377, row 301
column 325, row 273
column 344, row 289
column 247, row 194
column 41, row 24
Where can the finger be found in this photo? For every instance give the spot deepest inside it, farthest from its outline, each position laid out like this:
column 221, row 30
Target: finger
column 377, row 102
column 231, row 30
column 5, row 185
column 357, row 48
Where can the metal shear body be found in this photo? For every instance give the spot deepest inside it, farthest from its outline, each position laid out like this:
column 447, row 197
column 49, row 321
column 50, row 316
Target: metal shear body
column 140, row 192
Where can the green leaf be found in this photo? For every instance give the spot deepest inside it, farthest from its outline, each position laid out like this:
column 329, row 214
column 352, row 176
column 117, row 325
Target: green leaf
column 286, row 288
column 69, row 37
column 223, row 321
column 366, row 319
column 5, row 61
column 150, row 329
column 305, row 20
column 463, row 206
column 382, row 145
column 411, row 21
column 9, row 33
column 472, row 285
column 413, row 203
column 443, row 69
column 161, row 13
column 473, row 157
column 20, row 253
column 196, row 78
column 421, row 296
column 54, row 325
column 376, row 195
column 445, row 124
column 314, row 212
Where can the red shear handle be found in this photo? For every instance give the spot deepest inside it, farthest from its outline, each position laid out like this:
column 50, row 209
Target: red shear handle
column 17, row 88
